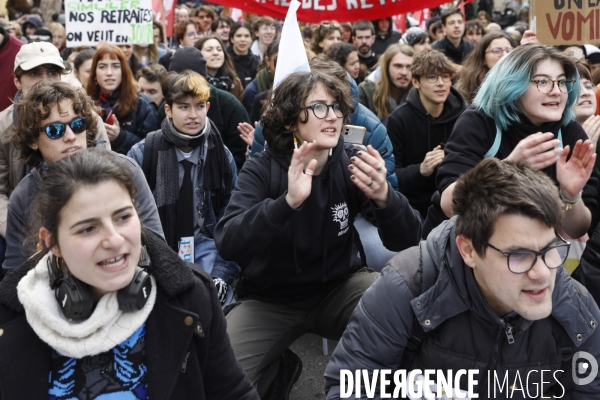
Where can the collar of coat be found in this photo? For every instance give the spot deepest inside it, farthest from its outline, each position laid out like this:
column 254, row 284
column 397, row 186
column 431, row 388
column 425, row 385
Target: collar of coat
column 456, row 291
column 172, row 274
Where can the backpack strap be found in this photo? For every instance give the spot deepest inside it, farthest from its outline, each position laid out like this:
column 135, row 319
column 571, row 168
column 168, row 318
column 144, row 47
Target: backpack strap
column 150, row 161
column 498, row 139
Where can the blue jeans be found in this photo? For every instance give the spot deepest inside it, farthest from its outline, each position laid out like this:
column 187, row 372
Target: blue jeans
column 206, row 256
column 377, row 254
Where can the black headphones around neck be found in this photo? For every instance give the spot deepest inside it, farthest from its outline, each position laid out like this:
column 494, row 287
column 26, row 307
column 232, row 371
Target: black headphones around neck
column 75, row 297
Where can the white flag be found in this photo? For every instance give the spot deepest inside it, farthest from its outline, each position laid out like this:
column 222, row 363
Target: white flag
column 292, row 55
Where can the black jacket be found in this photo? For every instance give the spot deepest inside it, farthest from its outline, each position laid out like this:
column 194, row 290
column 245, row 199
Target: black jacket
column 413, row 133
column 456, row 54
column 382, row 42
column 463, row 332
column 185, row 360
column 136, row 125
column 472, row 137
column 294, row 255
column 245, row 66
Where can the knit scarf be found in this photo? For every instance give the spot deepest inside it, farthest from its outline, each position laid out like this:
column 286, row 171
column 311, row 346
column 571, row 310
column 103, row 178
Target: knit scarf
column 222, row 82
column 264, row 80
column 106, row 328
column 216, row 181
column 105, row 102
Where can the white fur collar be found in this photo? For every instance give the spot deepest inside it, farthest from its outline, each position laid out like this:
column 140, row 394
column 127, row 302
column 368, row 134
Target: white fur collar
column 107, row 327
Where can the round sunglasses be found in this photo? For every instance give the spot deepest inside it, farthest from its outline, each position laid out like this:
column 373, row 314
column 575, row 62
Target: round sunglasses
column 56, row 130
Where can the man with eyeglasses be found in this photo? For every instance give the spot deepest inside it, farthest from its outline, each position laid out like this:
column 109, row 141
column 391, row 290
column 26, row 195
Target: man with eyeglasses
column 265, row 31
column 485, row 292
column 454, row 46
column 420, row 127
column 35, row 62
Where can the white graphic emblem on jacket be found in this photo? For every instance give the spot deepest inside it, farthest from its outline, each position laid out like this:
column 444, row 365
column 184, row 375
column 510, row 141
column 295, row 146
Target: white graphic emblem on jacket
column 340, row 214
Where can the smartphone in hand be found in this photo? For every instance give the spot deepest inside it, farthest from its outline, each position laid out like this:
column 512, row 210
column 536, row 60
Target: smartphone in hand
column 354, row 134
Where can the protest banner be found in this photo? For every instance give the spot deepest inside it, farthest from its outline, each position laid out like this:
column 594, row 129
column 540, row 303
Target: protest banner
column 566, row 21
column 114, row 21
column 315, row 11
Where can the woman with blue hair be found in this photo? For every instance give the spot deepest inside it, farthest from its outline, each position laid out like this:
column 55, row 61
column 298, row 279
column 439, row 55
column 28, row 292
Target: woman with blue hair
column 523, row 112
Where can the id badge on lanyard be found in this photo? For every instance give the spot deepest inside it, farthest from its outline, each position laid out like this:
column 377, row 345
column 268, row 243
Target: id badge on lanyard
column 186, row 249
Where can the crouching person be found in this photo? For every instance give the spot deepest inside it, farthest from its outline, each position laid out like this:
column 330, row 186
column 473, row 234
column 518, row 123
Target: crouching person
column 485, row 292
column 191, row 174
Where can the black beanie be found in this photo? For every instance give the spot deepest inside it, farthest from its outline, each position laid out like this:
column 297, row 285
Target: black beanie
column 188, row 58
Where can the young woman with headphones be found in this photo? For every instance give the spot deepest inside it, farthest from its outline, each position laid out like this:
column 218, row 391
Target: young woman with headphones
column 106, row 308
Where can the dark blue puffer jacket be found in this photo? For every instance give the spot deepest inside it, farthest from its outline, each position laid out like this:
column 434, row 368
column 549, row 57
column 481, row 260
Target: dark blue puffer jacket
column 138, row 123
column 376, row 134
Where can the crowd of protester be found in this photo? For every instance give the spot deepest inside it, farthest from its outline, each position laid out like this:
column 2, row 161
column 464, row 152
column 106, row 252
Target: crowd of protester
column 171, row 222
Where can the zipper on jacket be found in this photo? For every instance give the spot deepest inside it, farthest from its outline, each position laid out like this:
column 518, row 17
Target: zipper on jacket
column 184, row 365
column 509, row 334
column 494, row 360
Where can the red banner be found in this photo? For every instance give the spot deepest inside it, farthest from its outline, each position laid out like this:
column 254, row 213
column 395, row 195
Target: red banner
column 164, row 11
column 315, row 11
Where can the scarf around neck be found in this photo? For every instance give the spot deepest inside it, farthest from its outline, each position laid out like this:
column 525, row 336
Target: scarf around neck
column 216, row 174
column 106, row 102
column 222, row 82
column 106, row 328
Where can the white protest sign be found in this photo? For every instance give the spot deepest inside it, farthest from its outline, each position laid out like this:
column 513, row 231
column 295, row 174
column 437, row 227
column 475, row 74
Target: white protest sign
column 114, row 21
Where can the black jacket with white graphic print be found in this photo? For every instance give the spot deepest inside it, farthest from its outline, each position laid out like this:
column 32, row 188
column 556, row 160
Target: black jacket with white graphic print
column 291, row 255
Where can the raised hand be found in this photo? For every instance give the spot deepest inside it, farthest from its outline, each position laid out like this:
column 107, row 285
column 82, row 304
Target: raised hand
column 299, row 179
column 538, row 150
column 529, row 37
column 591, row 126
column 246, row 132
column 369, row 174
column 432, row 159
column 572, row 175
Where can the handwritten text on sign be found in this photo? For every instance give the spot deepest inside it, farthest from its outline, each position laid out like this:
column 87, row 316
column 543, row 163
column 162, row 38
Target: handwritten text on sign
column 114, row 21
column 567, row 21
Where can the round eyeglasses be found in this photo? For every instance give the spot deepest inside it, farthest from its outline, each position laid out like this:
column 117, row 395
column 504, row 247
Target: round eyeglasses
column 521, row 261
column 321, row 110
column 546, row 86
column 56, row 130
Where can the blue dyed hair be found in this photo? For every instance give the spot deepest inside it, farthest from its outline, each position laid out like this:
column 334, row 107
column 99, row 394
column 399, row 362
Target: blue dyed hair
column 510, row 78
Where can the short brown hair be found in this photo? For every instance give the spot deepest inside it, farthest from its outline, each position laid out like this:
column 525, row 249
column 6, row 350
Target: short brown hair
column 430, row 61
column 495, row 188
column 363, row 25
column 286, row 108
column 448, row 12
column 264, row 20
column 152, row 73
column 37, row 105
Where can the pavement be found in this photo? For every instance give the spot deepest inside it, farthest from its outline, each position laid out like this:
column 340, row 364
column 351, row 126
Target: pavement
column 310, row 349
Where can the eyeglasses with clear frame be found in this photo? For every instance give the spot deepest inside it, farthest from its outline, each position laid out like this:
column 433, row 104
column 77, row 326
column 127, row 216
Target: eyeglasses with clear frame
column 521, row 261
column 321, row 110
column 498, row 51
column 545, row 86
column 433, row 78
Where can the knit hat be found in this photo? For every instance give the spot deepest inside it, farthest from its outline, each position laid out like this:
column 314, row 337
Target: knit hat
column 413, row 35
column 35, row 54
column 33, row 20
column 41, row 35
column 188, row 58
column 592, row 53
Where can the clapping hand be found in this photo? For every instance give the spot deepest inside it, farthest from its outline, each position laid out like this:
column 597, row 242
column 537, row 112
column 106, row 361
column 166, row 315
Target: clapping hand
column 299, row 179
column 369, row 174
column 573, row 175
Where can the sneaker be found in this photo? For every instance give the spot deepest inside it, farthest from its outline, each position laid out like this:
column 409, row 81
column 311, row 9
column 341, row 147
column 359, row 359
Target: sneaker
column 289, row 372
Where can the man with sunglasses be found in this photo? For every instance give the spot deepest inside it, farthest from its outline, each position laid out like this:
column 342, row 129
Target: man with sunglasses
column 34, row 63
column 485, row 292
column 420, row 127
